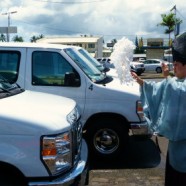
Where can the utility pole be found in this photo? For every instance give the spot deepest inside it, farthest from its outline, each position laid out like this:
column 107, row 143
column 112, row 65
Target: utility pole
column 8, row 29
column 173, row 8
column 176, row 29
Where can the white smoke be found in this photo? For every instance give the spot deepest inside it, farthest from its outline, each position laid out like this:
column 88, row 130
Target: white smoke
column 121, row 57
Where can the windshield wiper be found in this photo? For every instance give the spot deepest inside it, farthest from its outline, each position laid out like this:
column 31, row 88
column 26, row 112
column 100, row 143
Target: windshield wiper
column 4, row 90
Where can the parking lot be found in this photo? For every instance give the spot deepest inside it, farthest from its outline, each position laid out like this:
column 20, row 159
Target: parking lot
column 142, row 165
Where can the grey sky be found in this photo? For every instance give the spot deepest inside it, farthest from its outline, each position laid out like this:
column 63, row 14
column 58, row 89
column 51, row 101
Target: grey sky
column 112, row 19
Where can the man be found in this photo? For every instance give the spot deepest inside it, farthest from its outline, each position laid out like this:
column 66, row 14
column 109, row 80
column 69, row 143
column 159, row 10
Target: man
column 165, row 108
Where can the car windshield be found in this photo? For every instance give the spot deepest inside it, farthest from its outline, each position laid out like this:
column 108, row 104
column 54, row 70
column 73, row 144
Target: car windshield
column 89, row 69
column 91, row 59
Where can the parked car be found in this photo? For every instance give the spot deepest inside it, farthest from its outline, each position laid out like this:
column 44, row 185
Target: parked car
column 40, row 136
column 107, row 63
column 141, row 59
column 110, row 111
column 137, row 67
column 155, row 65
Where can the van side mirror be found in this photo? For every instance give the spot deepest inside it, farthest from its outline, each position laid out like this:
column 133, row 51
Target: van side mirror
column 72, row 79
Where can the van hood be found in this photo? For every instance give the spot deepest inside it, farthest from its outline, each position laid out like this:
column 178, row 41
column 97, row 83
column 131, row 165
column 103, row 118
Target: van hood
column 34, row 113
column 112, row 72
column 132, row 87
column 115, row 90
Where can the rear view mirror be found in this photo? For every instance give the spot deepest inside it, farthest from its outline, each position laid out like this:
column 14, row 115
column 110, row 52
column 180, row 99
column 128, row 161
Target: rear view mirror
column 72, row 79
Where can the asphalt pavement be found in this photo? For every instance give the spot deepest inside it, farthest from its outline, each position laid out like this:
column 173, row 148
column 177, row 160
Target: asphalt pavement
column 142, row 165
column 151, row 75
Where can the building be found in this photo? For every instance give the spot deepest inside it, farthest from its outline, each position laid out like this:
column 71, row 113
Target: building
column 94, row 45
column 155, row 48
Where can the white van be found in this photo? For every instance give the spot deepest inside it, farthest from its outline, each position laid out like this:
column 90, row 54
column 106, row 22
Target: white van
column 40, row 136
column 110, row 111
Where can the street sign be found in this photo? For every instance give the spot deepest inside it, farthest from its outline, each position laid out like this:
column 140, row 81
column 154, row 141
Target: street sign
column 11, row 29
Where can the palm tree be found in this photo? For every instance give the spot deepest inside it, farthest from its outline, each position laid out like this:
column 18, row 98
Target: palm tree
column 169, row 21
column 17, row 39
column 2, row 38
column 33, row 39
column 41, row 36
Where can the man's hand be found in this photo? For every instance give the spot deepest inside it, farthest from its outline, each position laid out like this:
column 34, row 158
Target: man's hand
column 165, row 70
column 138, row 79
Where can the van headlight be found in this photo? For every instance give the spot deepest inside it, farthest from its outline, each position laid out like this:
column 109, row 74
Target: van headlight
column 140, row 112
column 56, row 152
column 73, row 116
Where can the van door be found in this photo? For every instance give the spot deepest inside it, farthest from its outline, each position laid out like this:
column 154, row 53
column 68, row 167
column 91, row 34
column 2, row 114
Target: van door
column 48, row 71
column 12, row 64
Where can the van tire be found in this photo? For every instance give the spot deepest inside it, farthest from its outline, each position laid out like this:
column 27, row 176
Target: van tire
column 107, row 138
column 11, row 176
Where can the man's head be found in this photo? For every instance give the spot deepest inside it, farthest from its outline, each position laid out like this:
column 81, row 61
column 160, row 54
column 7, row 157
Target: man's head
column 179, row 55
column 179, row 49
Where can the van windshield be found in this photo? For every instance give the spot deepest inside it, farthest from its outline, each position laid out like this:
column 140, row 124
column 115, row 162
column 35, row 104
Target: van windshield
column 91, row 59
column 88, row 68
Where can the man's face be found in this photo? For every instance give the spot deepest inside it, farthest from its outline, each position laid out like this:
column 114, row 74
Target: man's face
column 179, row 69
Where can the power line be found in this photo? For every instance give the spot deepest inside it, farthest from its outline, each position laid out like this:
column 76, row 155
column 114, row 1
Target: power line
column 65, row 2
column 176, row 11
column 76, row 32
column 80, row 32
column 51, row 28
column 180, row 14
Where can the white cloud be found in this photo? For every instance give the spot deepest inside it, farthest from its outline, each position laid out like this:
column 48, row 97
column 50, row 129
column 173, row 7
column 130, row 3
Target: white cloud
column 110, row 18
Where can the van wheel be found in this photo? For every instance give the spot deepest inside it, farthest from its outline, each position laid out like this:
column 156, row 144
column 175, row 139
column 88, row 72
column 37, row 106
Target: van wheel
column 107, row 138
column 9, row 176
column 11, row 181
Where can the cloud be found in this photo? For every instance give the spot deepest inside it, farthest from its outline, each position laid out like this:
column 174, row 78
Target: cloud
column 108, row 18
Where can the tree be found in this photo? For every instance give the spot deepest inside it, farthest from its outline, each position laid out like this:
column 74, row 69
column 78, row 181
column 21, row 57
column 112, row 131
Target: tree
column 169, row 21
column 33, row 39
column 2, row 38
column 40, row 36
column 140, row 43
column 139, row 46
column 18, row 39
column 136, row 42
column 114, row 41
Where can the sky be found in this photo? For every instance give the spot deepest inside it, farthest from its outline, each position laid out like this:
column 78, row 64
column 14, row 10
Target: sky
column 112, row 19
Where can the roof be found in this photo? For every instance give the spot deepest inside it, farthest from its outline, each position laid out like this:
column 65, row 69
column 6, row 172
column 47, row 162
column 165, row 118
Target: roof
column 32, row 45
column 69, row 40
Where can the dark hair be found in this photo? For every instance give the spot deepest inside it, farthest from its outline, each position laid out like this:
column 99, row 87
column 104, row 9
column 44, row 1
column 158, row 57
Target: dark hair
column 179, row 48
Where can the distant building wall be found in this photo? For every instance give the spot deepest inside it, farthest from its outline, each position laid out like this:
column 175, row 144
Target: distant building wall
column 158, row 42
column 94, row 45
column 155, row 48
column 155, row 53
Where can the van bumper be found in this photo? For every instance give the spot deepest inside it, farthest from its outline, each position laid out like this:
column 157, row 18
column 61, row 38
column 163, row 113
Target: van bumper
column 140, row 129
column 78, row 174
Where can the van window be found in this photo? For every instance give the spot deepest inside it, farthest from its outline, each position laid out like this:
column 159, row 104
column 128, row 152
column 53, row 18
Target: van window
column 51, row 69
column 9, row 65
column 86, row 66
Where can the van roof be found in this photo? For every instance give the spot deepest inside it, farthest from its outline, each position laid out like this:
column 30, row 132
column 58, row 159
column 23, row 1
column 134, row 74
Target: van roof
column 33, row 45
